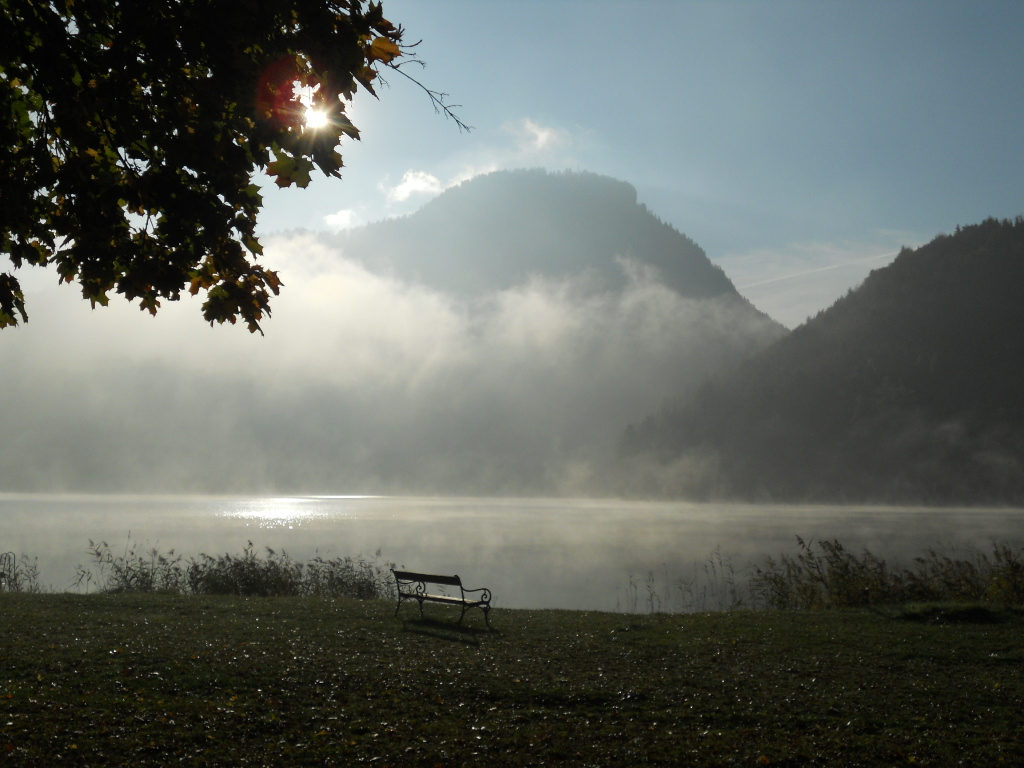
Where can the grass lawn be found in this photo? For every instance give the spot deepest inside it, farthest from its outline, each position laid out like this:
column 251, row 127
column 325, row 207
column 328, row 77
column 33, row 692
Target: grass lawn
column 154, row 680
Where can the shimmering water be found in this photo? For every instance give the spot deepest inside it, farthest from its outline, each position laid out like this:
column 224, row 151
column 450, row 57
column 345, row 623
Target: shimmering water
column 535, row 553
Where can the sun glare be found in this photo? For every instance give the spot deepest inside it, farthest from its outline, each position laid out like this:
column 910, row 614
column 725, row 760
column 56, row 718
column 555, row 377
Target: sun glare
column 315, row 118
column 277, row 512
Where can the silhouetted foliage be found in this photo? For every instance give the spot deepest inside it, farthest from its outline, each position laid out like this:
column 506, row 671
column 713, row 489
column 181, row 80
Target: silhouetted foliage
column 824, row 574
column 275, row 574
column 130, row 133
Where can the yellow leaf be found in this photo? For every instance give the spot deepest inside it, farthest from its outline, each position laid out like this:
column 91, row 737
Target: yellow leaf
column 384, row 49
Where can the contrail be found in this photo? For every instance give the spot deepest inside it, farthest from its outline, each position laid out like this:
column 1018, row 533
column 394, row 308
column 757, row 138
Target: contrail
column 819, row 269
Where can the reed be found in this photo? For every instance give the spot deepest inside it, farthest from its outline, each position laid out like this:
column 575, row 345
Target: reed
column 821, row 574
column 716, row 584
column 23, row 577
column 248, row 574
column 824, row 574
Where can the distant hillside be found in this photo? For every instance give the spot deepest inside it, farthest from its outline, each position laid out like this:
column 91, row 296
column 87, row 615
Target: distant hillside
column 569, row 312
column 910, row 388
column 496, row 231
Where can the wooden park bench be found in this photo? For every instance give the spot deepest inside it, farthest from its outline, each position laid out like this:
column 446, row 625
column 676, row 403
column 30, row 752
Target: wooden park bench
column 413, row 586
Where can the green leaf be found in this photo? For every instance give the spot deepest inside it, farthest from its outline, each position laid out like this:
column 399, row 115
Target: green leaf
column 253, row 245
column 283, row 170
column 301, row 174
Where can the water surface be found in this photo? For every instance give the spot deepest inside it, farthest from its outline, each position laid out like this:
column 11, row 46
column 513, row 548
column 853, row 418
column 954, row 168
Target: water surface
column 534, row 553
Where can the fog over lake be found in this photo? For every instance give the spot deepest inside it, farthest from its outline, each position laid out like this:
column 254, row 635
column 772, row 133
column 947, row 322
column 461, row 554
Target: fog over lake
column 532, row 553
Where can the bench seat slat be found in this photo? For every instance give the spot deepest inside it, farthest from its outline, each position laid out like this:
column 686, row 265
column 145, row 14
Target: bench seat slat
column 446, row 599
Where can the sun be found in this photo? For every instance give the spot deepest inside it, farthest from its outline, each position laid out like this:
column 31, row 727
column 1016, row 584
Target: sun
column 316, row 118
column 314, row 115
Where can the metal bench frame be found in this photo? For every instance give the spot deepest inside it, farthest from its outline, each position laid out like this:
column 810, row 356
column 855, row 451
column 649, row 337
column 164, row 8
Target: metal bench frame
column 8, row 571
column 413, row 586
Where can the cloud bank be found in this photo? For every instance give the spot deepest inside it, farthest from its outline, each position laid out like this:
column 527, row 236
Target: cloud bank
column 363, row 383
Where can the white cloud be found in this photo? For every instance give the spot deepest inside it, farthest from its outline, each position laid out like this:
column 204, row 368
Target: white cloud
column 470, row 171
column 522, row 143
column 346, row 218
column 532, row 137
column 413, row 183
column 418, row 184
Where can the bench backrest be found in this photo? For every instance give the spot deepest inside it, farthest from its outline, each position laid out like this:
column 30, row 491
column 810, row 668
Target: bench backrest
column 428, row 578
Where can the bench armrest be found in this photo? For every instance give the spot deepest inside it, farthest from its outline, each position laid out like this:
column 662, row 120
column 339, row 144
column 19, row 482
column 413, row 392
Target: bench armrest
column 485, row 597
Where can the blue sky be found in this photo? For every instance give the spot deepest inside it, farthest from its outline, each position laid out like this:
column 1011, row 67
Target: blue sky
column 799, row 143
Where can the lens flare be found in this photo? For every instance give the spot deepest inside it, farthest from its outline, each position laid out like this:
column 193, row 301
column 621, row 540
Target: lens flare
column 316, row 118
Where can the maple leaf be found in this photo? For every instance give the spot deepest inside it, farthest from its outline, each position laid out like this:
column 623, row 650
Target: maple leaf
column 384, row 49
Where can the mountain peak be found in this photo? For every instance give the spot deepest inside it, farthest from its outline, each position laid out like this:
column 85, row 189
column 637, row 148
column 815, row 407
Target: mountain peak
column 501, row 229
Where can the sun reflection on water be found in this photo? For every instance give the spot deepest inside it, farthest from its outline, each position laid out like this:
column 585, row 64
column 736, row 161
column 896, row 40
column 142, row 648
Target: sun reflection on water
column 289, row 511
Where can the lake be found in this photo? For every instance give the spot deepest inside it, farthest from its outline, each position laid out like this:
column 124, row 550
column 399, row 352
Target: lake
column 592, row 554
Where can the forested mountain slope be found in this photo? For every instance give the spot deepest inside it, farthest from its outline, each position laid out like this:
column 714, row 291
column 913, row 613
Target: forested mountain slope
column 910, row 388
